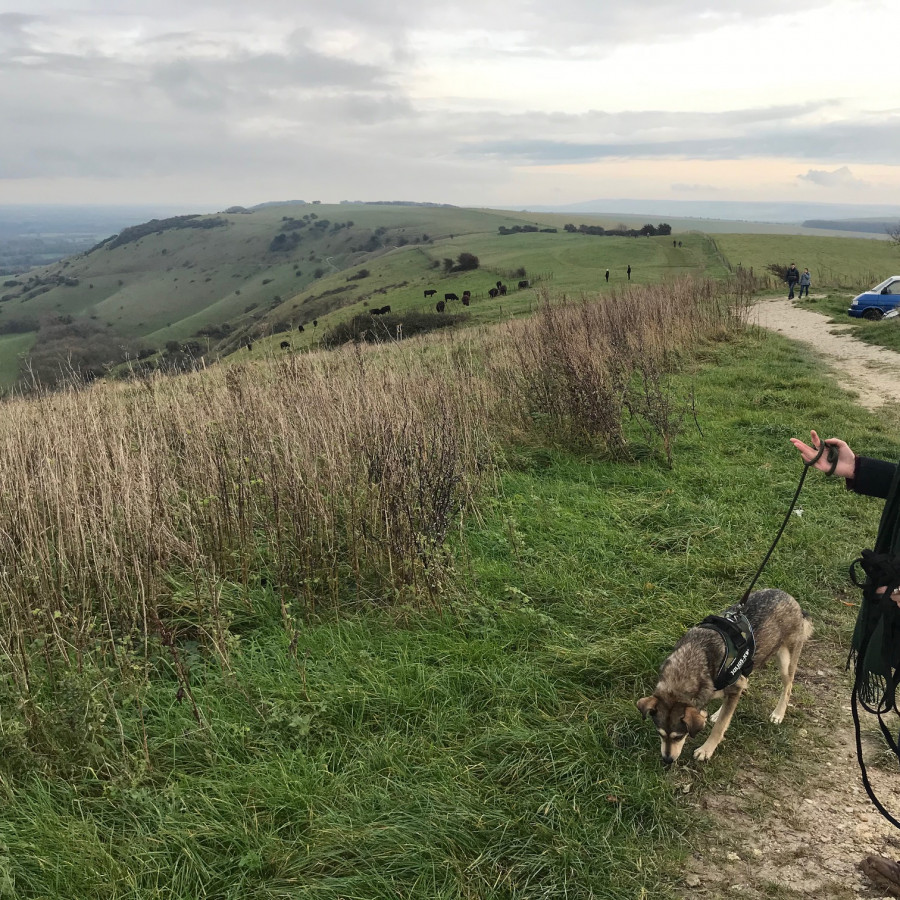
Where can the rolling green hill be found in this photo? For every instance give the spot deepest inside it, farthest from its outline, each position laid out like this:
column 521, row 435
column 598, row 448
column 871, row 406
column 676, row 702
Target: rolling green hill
column 224, row 278
column 254, row 275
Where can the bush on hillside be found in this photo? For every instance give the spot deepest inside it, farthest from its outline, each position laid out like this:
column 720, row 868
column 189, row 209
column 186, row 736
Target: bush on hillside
column 82, row 349
column 366, row 328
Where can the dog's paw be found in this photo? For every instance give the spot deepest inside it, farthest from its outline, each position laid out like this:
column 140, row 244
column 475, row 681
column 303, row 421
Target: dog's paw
column 777, row 717
column 715, row 716
column 703, row 753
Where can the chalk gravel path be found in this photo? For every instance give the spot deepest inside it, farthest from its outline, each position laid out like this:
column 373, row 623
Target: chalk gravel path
column 799, row 827
column 873, row 372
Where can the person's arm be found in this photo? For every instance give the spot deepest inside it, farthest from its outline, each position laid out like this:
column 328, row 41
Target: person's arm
column 871, row 477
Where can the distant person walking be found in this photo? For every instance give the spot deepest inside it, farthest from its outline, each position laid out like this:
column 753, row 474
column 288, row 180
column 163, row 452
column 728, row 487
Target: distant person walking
column 804, row 283
column 792, row 277
column 607, row 276
column 629, row 273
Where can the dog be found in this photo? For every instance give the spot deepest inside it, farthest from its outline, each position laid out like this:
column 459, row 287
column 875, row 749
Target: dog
column 686, row 679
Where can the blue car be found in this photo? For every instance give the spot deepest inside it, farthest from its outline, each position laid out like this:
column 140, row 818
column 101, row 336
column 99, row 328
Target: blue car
column 873, row 304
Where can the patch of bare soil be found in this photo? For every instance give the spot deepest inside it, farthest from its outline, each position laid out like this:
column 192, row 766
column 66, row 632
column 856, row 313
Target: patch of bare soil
column 872, row 372
column 802, row 832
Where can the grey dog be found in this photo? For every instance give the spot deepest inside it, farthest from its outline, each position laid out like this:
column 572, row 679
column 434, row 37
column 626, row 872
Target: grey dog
column 685, row 687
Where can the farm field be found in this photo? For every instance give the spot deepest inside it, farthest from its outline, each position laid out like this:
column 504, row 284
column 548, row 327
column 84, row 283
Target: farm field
column 682, row 224
column 834, row 262
column 303, row 731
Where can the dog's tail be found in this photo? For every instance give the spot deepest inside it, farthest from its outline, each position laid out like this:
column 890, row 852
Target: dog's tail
column 807, row 624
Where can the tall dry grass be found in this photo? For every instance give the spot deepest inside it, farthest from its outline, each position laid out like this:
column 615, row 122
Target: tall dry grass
column 150, row 511
column 579, row 369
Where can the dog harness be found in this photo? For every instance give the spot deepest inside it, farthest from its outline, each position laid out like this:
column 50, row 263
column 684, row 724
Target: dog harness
column 740, row 645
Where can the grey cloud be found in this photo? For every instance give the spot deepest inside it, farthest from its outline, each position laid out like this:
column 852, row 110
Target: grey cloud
column 527, row 27
column 861, row 141
column 841, row 177
column 694, row 188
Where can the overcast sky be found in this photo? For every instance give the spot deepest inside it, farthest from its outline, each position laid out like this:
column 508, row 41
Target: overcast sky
column 472, row 102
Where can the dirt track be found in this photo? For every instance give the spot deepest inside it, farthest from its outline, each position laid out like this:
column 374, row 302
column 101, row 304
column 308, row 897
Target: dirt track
column 802, row 832
column 874, row 373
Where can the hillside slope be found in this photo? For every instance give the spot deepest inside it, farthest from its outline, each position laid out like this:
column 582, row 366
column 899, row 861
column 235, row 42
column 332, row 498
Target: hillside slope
column 225, row 278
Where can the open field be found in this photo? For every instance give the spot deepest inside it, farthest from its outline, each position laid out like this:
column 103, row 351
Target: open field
column 682, row 224
column 297, row 716
column 834, row 262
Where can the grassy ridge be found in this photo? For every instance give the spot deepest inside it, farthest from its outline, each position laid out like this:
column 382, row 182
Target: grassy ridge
column 851, row 263
column 490, row 750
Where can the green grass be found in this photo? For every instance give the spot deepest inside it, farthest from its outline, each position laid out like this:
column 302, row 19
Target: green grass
column 854, row 263
column 489, row 751
column 573, row 264
column 12, row 346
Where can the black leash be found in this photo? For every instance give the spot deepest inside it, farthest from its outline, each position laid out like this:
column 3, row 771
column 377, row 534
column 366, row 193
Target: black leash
column 879, row 570
column 854, row 700
column 833, row 454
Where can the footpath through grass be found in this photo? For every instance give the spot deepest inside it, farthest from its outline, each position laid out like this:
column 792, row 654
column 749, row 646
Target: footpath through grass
column 491, row 750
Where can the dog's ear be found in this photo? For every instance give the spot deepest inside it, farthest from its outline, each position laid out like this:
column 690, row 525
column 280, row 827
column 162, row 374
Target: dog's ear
column 695, row 719
column 647, row 705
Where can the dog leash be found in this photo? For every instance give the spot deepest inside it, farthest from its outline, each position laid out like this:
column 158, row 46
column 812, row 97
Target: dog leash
column 833, row 455
column 889, row 575
column 733, row 626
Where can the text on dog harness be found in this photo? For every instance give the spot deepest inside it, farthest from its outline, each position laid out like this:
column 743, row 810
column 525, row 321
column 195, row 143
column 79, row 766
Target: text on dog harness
column 740, row 645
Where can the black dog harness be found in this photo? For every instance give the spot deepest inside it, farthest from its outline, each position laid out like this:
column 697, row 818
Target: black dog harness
column 740, row 645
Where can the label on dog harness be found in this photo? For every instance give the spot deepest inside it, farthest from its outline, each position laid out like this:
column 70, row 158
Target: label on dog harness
column 740, row 645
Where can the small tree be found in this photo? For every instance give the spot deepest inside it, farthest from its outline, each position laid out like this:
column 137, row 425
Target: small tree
column 465, row 262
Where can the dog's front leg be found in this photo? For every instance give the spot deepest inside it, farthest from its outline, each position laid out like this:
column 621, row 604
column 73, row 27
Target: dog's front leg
column 723, row 720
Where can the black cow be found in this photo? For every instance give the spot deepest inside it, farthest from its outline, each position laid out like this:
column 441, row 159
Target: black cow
column 429, row 294
column 450, row 297
column 466, row 294
column 439, row 306
column 502, row 290
column 299, row 328
column 375, row 311
column 493, row 293
column 466, row 300
column 285, row 345
column 523, row 284
column 385, row 310
column 499, row 285
column 315, row 323
column 249, row 345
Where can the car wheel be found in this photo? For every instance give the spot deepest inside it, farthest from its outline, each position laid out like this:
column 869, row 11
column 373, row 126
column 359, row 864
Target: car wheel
column 873, row 314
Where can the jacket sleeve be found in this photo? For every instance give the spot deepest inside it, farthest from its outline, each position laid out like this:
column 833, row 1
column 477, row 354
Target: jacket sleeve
column 871, row 477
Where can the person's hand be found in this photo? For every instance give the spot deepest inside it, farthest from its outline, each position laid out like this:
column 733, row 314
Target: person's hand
column 846, row 457
column 895, row 595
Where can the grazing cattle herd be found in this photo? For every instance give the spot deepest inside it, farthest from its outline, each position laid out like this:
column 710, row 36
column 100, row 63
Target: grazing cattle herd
column 440, row 306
